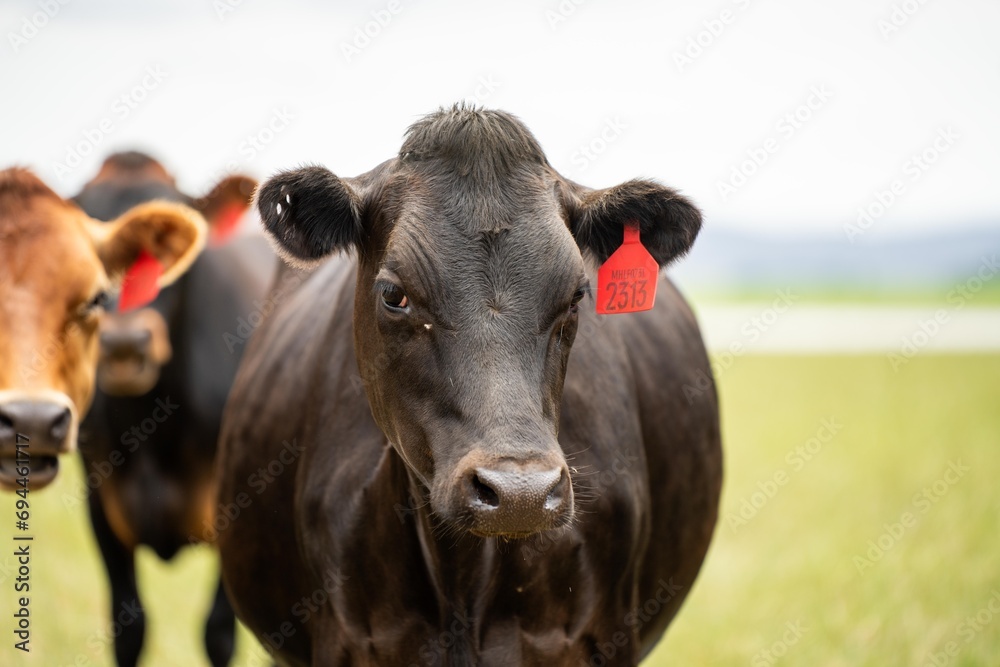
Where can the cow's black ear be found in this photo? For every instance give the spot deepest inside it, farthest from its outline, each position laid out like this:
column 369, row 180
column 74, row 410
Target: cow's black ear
column 310, row 213
column 668, row 222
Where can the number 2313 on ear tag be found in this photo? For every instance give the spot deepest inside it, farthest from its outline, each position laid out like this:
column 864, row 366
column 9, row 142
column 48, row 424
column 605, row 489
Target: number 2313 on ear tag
column 626, row 283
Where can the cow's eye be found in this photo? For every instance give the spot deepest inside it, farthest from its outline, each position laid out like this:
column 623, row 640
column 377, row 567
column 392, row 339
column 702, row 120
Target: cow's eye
column 97, row 303
column 393, row 297
column 574, row 306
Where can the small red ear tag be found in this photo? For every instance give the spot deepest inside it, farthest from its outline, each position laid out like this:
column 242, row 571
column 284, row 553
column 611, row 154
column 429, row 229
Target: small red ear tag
column 139, row 286
column 225, row 224
column 626, row 283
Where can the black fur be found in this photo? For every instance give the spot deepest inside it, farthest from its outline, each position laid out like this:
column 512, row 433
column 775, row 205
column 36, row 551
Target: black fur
column 320, row 213
column 474, row 143
column 668, row 222
column 404, row 415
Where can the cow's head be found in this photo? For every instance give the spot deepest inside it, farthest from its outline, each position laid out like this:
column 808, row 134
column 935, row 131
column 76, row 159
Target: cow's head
column 135, row 345
column 57, row 269
column 474, row 257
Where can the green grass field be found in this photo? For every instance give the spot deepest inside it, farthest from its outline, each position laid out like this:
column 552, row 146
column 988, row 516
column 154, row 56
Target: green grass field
column 791, row 581
column 988, row 295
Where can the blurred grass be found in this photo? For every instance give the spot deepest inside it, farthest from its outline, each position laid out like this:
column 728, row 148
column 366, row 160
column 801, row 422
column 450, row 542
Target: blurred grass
column 70, row 600
column 987, row 296
column 792, row 561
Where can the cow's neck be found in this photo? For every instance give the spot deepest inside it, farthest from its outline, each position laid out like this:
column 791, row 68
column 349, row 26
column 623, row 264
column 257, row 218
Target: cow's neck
column 462, row 568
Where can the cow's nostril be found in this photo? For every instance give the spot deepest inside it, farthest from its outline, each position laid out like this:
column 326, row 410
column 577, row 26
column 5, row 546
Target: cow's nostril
column 555, row 497
column 61, row 424
column 485, row 493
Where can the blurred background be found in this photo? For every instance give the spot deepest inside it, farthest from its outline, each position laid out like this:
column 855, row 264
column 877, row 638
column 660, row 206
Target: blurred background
column 844, row 156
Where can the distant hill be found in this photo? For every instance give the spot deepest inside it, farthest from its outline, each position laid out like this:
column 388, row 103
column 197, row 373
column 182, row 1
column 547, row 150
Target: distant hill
column 727, row 260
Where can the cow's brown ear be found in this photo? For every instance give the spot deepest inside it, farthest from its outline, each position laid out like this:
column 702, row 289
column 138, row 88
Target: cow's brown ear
column 172, row 233
column 668, row 222
column 225, row 204
column 310, row 214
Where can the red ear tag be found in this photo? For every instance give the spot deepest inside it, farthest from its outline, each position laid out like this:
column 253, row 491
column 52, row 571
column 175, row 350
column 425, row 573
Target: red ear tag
column 225, row 224
column 626, row 283
column 140, row 284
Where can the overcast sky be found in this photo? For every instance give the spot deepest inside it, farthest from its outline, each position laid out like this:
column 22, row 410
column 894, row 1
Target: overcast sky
column 780, row 115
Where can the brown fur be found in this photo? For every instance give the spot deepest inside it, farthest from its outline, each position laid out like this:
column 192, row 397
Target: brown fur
column 55, row 261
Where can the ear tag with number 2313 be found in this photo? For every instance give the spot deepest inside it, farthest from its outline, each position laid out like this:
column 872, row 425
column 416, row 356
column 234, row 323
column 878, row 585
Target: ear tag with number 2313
column 626, row 283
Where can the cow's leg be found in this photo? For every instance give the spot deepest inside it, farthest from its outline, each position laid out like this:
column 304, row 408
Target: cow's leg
column 220, row 629
column 127, row 615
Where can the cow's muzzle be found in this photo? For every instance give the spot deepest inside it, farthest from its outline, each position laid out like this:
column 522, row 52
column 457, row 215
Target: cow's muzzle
column 133, row 349
column 516, row 499
column 33, row 433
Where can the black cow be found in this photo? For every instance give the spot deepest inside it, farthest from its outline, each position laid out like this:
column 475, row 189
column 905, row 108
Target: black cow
column 164, row 373
column 487, row 498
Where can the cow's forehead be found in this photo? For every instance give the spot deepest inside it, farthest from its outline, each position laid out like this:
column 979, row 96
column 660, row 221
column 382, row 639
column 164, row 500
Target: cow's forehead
column 473, row 220
column 47, row 248
column 495, row 248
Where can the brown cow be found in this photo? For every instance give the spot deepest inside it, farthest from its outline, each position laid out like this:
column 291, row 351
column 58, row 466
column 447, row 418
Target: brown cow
column 57, row 269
